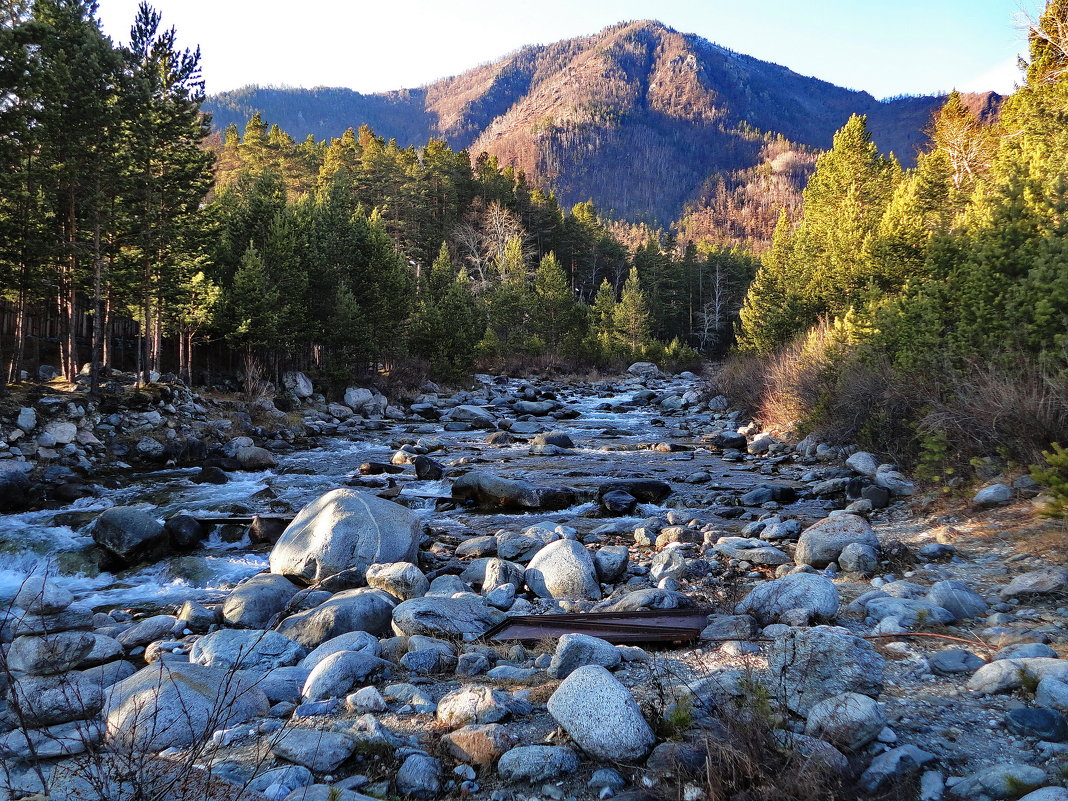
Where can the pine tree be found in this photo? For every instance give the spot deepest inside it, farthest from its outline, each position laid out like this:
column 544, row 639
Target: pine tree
column 631, row 314
column 557, row 314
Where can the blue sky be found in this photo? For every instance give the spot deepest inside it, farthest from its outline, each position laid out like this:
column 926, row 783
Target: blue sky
column 886, row 48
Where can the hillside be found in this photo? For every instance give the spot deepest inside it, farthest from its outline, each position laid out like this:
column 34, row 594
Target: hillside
column 637, row 117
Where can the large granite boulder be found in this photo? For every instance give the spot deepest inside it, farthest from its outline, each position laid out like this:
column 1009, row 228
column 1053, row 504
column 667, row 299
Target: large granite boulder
column 345, row 530
column 174, row 705
column 823, row 541
column 130, row 535
column 362, row 609
column 436, row 617
column 563, row 569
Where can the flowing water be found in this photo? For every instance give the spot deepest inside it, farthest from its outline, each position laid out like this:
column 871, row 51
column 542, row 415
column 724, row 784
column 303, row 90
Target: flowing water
column 56, row 540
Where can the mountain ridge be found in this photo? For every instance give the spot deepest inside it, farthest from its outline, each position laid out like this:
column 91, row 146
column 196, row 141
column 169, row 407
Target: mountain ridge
column 636, row 117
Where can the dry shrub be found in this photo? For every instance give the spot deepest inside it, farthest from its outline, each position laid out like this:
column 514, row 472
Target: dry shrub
column 987, row 408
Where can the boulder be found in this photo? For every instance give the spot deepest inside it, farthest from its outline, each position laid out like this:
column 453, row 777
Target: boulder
column 490, row 491
column 558, row 438
column 601, row 715
column 563, row 569
column 337, row 674
column 816, row 594
column 756, row 551
column 52, row 653
column 960, row 599
column 859, row 557
column 436, row 616
column 350, row 641
column 473, row 704
column 1044, row 581
column 255, row 602
column 40, row 596
column 475, row 415
column 611, row 562
column 402, row 580
column 130, row 535
column 577, row 650
column 427, row 469
column 50, row 700
column 479, row 744
column 1002, row 781
column 242, row 649
column 994, row 495
column 818, row 663
column 822, row 542
column 849, row 721
column 362, row 609
column 254, row 459
column 169, row 705
column 419, row 777
column 644, row 370
column 646, row 490
column 537, row 763
column 864, row 463
column 300, row 385
column 1005, row 675
column 345, row 530
column 318, row 750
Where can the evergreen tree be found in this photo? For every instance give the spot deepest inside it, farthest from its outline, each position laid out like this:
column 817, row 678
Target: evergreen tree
column 631, row 314
column 557, row 313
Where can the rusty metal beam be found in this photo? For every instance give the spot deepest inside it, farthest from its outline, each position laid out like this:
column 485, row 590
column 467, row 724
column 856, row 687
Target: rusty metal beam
column 664, row 626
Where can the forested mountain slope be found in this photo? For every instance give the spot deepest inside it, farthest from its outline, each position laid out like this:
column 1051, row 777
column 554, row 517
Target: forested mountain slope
column 636, row 117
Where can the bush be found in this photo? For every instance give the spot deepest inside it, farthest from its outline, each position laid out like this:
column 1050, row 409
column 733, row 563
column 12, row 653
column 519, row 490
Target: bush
column 1054, row 476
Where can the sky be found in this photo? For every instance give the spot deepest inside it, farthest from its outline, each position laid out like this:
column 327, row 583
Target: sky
column 885, row 47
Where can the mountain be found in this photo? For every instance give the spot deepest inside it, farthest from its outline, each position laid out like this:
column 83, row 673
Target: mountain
column 636, row 117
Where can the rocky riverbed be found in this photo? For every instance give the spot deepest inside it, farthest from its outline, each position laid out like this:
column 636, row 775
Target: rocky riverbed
column 145, row 646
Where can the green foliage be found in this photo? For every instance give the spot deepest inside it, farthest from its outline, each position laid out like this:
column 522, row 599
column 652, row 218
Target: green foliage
column 1054, row 476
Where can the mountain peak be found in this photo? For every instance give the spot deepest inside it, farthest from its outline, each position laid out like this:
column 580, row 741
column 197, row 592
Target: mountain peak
column 635, row 117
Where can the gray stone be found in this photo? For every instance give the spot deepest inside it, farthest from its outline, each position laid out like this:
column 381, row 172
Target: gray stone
column 751, row 550
column 174, row 705
column 814, row 593
column 290, row 776
column 479, row 744
column 148, row 630
column 104, row 649
column 49, row 654
column 864, row 463
column 1053, row 694
column 345, row 530
column 48, row 700
column 1005, row 675
column 908, row 612
column 338, row 673
column 958, row 598
column 611, row 562
column 490, row 491
column 255, row 602
column 40, row 596
column 897, row 762
column 463, row 615
column 363, row 609
column 252, row 650
column 62, row 740
column 473, row 704
column 402, row 580
column 720, row 627
column 1047, row 725
column 563, row 569
column 668, row 564
column 419, row 777
column 994, row 495
column 537, row 763
column 815, row 664
column 1025, row 650
column 1047, row 794
column 350, row 641
column 283, row 683
column 894, row 481
column 27, row 419
column 822, row 543
column 1003, row 781
column 1044, row 581
column 954, row 660
column 577, row 650
column 301, row 386
column 254, row 458
column 130, row 534
column 601, row 715
column 858, row 557
column 319, row 751
column 848, row 720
